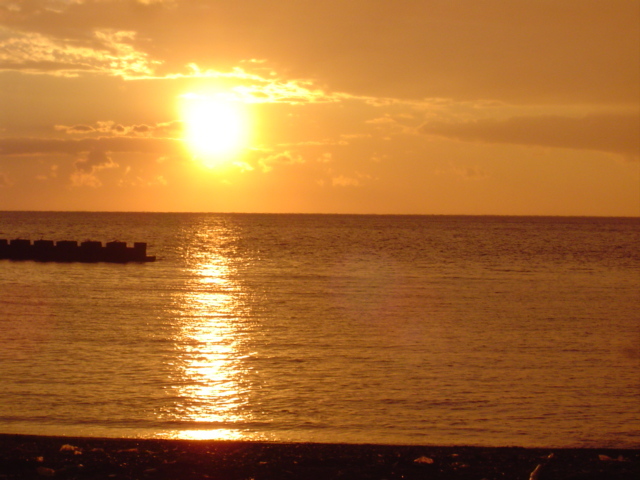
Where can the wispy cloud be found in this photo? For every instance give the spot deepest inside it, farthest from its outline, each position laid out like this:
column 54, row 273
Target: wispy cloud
column 611, row 133
column 163, row 129
column 344, row 181
column 40, row 146
column 465, row 173
column 282, row 158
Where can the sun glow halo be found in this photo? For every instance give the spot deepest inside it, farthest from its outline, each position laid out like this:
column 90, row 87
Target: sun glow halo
column 215, row 128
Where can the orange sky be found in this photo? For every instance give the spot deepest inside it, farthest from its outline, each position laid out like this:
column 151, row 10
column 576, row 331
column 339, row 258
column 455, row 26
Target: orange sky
column 360, row 106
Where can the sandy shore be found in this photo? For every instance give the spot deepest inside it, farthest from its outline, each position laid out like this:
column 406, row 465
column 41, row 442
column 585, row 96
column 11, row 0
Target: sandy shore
column 25, row 456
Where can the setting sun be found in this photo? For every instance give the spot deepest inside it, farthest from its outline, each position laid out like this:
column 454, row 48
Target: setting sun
column 215, row 128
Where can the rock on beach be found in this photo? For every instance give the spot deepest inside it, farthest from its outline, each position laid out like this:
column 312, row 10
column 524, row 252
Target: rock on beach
column 39, row 457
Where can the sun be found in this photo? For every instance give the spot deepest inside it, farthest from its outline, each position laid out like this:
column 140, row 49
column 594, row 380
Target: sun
column 216, row 128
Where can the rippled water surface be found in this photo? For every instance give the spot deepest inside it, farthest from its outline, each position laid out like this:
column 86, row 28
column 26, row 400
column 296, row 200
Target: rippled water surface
column 333, row 328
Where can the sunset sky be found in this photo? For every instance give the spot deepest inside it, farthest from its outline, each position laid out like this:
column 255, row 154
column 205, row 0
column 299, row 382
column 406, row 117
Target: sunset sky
column 526, row 107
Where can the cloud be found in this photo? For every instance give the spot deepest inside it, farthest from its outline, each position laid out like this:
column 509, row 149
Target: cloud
column 342, row 181
column 611, row 133
column 326, row 157
column 161, row 129
column 393, row 124
column 574, row 51
column 148, row 3
column 282, row 158
column 88, row 38
column 87, row 167
column 85, row 179
column 266, row 90
column 39, row 146
column 521, row 52
column 465, row 173
column 108, row 51
column 76, row 128
column 93, row 161
column 345, row 181
column 259, row 85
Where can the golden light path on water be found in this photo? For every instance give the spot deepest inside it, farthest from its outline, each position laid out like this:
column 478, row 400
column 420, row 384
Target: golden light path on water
column 208, row 381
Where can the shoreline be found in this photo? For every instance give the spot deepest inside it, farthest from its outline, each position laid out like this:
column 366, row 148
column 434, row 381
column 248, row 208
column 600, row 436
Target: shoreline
column 32, row 456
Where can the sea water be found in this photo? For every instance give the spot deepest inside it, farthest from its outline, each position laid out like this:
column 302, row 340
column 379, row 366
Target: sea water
column 327, row 328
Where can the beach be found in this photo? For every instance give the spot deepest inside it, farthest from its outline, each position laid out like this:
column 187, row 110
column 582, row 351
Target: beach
column 27, row 456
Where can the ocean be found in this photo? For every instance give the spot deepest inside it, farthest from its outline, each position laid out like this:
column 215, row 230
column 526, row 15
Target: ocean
column 448, row 330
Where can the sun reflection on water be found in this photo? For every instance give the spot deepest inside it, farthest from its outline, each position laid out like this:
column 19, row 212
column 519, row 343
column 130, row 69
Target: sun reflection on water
column 209, row 385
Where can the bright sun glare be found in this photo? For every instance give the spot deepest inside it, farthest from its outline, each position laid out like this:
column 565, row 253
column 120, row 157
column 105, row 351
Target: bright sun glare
column 215, row 128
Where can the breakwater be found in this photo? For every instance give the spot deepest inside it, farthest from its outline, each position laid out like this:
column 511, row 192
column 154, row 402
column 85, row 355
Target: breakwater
column 72, row 251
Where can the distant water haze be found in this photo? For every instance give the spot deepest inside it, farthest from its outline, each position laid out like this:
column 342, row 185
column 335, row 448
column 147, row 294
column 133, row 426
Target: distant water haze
column 327, row 328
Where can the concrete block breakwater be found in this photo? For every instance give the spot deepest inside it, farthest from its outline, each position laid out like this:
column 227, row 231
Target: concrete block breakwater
column 71, row 251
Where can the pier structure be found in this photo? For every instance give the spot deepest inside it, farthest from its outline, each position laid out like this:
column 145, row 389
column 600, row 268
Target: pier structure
column 71, row 251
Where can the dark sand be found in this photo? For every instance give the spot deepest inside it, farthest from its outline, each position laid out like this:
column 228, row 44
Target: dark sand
column 24, row 456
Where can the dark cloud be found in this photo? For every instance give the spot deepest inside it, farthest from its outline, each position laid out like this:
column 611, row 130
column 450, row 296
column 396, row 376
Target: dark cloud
column 613, row 133
column 77, row 129
column 94, row 160
column 556, row 52
column 141, row 129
